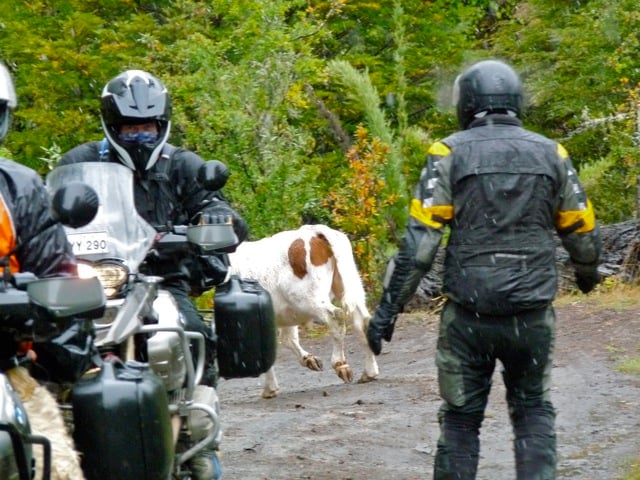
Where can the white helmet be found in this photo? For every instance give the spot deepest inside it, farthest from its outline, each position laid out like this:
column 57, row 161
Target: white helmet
column 8, row 99
column 136, row 96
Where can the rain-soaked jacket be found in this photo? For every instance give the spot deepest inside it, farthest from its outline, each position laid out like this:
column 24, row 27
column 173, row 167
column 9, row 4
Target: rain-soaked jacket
column 503, row 190
column 167, row 193
column 25, row 206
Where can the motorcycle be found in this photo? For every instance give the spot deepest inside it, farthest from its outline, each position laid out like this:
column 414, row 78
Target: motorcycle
column 143, row 413
column 33, row 310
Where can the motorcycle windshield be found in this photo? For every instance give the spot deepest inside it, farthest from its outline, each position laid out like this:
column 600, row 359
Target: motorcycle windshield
column 117, row 231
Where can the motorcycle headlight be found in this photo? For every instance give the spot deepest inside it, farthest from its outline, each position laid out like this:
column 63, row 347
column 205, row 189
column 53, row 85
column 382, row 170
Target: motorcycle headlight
column 112, row 275
column 86, row 271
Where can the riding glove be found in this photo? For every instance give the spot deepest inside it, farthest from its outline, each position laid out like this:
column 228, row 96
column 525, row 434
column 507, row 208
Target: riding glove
column 381, row 326
column 587, row 276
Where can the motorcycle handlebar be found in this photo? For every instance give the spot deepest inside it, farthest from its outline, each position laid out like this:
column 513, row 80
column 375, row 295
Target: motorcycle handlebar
column 206, row 238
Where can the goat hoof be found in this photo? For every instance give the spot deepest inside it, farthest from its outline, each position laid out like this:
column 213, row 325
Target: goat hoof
column 269, row 394
column 366, row 378
column 312, row 363
column 343, row 370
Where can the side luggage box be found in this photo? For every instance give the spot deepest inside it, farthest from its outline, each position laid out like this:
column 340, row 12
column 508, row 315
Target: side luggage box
column 122, row 426
column 245, row 326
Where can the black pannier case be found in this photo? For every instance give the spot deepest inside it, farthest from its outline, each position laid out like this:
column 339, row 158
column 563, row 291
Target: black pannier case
column 122, row 426
column 245, row 326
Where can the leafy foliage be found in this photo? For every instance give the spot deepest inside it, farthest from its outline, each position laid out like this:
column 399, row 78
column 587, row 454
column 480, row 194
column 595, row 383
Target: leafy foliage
column 578, row 61
column 359, row 205
column 323, row 109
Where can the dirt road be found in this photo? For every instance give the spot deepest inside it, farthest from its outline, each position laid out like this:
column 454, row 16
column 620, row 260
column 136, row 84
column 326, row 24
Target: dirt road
column 322, row 429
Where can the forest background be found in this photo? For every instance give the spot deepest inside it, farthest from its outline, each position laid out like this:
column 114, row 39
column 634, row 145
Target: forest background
column 324, row 110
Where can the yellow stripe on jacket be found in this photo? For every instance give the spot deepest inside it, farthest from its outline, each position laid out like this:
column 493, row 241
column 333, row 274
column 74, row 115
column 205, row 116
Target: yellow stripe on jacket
column 434, row 216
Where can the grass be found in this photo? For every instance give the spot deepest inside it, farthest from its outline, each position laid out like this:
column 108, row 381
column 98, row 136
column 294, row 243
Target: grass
column 630, row 365
column 609, row 295
column 633, row 470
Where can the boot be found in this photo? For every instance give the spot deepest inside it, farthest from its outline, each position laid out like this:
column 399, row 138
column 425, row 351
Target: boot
column 206, row 465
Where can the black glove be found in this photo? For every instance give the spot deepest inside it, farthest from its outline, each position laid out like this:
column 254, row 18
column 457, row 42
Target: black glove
column 381, row 327
column 587, row 281
column 206, row 272
column 222, row 213
column 208, row 218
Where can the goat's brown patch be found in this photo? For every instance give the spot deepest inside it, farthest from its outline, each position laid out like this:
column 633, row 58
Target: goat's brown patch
column 320, row 250
column 337, row 285
column 320, row 253
column 298, row 258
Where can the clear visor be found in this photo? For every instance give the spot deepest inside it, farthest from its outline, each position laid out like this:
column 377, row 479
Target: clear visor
column 7, row 92
column 455, row 94
column 140, row 138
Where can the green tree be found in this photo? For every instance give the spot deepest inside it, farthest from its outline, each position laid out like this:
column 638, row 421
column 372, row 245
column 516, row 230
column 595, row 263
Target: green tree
column 282, row 90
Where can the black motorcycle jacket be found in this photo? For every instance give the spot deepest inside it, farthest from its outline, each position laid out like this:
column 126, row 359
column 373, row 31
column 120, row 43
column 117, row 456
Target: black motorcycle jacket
column 167, row 194
column 503, row 190
column 25, row 206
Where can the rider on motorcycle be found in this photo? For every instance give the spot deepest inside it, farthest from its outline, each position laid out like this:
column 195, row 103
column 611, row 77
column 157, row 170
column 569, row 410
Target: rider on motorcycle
column 136, row 120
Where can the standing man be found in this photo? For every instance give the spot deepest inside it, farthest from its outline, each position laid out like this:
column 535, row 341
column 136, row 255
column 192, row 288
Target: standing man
column 502, row 190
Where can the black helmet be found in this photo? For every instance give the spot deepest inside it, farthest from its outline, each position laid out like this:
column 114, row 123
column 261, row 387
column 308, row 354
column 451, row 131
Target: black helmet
column 136, row 97
column 8, row 100
column 487, row 86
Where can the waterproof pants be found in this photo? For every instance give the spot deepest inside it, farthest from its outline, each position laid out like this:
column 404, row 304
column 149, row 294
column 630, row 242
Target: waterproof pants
column 468, row 346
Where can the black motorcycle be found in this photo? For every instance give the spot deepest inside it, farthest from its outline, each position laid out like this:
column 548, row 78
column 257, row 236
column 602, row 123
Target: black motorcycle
column 143, row 413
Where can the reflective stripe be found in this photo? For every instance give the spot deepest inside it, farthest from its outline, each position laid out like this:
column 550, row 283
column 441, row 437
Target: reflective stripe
column 439, row 149
column 7, row 235
column 562, row 152
column 433, row 216
column 586, row 219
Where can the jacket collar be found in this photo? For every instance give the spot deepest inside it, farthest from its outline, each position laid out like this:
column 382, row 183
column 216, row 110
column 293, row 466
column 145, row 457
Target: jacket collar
column 495, row 119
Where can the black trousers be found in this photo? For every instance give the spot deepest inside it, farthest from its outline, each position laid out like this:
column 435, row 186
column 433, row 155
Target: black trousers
column 469, row 345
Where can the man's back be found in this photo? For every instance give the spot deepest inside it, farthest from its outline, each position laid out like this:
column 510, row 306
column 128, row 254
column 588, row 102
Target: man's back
column 504, row 182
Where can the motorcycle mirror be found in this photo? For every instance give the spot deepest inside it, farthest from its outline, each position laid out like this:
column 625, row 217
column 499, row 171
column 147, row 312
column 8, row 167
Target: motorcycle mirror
column 75, row 204
column 213, row 175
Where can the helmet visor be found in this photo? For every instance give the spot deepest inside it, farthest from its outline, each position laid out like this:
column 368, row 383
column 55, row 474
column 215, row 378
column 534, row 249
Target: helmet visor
column 455, row 93
column 7, row 92
column 140, row 138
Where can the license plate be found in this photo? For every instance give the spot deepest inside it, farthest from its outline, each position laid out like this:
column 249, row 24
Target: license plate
column 88, row 243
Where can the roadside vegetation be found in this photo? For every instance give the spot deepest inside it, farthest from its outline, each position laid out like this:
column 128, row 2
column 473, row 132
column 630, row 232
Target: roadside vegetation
column 324, row 109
